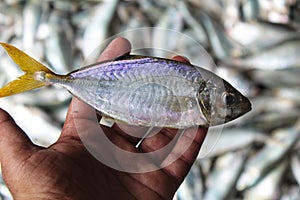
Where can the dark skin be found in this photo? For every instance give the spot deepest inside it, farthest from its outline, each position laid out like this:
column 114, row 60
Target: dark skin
column 66, row 170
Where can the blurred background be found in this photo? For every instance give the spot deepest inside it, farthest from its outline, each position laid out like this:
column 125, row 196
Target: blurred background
column 253, row 44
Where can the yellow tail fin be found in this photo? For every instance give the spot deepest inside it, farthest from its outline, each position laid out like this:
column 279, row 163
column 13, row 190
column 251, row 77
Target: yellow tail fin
column 29, row 66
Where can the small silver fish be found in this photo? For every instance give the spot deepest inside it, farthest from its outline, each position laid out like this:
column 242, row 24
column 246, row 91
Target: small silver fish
column 139, row 90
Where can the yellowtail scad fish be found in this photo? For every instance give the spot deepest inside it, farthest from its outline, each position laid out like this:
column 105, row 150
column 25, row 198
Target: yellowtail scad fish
column 140, row 90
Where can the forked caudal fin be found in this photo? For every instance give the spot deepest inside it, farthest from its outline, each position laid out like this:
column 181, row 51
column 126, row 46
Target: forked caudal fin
column 29, row 65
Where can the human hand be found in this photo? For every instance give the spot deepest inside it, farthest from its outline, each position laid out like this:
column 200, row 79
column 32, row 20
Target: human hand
column 66, row 170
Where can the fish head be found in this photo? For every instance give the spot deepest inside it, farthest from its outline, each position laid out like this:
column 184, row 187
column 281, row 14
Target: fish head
column 220, row 102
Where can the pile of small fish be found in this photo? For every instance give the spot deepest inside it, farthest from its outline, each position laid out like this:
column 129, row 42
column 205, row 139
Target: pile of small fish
column 253, row 44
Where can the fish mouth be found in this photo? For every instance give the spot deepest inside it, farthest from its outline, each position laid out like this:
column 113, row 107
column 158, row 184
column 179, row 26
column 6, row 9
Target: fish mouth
column 244, row 108
column 247, row 105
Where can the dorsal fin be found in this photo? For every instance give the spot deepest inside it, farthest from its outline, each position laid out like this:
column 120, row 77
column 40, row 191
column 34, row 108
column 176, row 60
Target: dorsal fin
column 127, row 56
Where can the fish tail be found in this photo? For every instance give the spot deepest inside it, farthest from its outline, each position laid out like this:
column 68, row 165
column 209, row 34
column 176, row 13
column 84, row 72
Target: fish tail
column 29, row 65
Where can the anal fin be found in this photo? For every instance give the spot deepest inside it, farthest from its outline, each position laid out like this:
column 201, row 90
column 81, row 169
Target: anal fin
column 107, row 121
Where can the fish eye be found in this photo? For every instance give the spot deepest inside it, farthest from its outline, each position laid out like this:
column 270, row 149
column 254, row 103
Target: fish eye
column 229, row 98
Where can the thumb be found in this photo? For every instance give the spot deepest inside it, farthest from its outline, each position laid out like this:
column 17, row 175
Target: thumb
column 15, row 146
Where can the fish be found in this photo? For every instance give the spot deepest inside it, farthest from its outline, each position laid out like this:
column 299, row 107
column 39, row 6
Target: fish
column 223, row 143
column 258, row 36
column 163, row 38
column 283, row 55
column 270, row 184
column 222, row 45
column 59, row 45
column 225, row 175
column 193, row 185
column 32, row 15
column 274, row 152
column 97, row 28
column 139, row 90
column 25, row 116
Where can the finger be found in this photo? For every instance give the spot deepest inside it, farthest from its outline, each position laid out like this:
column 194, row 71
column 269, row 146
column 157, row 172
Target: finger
column 14, row 143
column 185, row 152
column 78, row 111
column 181, row 59
column 117, row 47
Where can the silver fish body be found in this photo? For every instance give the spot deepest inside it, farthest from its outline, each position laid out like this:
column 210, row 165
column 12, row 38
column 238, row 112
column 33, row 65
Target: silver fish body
column 149, row 91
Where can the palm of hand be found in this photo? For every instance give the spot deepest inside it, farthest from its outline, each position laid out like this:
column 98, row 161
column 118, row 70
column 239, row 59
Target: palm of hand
column 66, row 170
